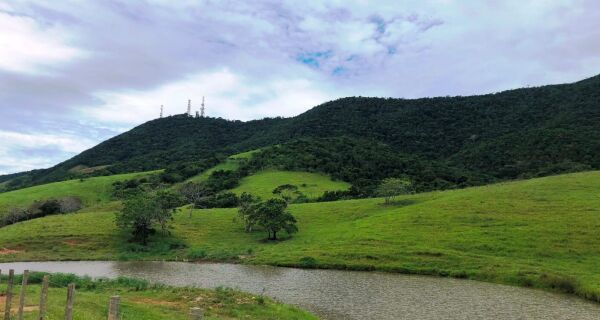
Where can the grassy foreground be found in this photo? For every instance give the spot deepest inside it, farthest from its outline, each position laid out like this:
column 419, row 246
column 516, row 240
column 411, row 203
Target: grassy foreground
column 541, row 233
column 142, row 301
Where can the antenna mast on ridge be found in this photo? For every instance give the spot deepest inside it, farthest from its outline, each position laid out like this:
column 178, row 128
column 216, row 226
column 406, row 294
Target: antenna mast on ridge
column 202, row 108
column 161, row 111
column 189, row 111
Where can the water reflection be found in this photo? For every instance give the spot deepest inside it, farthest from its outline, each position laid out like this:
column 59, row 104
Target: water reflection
column 333, row 294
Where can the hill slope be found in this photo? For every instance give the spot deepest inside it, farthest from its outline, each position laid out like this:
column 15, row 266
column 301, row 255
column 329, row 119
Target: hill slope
column 92, row 191
column 311, row 185
column 518, row 133
column 539, row 232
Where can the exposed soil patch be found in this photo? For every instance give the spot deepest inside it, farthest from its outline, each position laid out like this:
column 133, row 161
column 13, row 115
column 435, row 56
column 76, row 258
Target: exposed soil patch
column 5, row 251
column 71, row 242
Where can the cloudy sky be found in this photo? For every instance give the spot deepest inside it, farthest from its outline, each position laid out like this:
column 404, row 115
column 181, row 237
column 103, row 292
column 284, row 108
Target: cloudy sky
column 74, row 73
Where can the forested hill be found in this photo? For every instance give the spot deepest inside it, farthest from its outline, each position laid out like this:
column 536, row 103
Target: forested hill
column 516, row 133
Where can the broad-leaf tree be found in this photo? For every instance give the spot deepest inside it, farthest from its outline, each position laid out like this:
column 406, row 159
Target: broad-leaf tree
column 142, row 213
column 273, row 217
column 392, row 187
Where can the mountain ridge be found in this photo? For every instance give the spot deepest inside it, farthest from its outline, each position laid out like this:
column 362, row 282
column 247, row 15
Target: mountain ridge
column 505, row 135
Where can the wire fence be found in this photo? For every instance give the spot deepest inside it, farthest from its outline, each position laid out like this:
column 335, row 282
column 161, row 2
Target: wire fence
column 114, row 307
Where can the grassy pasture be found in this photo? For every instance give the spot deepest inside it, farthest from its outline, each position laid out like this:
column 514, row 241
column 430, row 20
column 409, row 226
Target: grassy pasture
column 141, row 301
column 540, row 233
column 231, row 163
column 92, row 191
column 310, row 184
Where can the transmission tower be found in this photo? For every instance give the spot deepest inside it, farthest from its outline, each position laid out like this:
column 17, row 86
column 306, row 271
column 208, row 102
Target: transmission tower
column 189, row 111
column 202, row 108
column 161, row 111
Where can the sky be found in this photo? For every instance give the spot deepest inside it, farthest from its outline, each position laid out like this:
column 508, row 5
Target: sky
column 75, row 73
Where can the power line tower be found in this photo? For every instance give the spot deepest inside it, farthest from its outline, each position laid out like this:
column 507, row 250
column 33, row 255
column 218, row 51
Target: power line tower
column 189, row 111
column 161, row 111
column 202, row 108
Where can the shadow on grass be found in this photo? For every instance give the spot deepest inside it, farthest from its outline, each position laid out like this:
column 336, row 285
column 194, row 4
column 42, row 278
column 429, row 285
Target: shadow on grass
column 159, row 245
column 399, row 203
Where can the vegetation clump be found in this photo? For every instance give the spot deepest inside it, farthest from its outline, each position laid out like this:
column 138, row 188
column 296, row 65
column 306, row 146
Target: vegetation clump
column 271, row 215
column 40, row 209
column 290, row 193
column 390, row 188
column 142, row 213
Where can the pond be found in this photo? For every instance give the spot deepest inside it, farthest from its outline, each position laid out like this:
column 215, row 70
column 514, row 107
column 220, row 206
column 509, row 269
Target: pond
column 336, row 294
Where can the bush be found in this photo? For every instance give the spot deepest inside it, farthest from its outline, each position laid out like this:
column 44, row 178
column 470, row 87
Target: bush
column 220, row 200
column 49, row 207
column 70, row 204
column 560, row 283
column 336, row 195
column 308, row 262
column 223, row 180
column 14, row 215
column 41, row 209
column 197, row 254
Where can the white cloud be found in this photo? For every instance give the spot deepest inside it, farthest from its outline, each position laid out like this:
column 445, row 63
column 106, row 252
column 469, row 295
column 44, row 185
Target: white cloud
column 22, row 151
column 68, row 143
column 27, row 46
column 228, row 95
column 113, row 63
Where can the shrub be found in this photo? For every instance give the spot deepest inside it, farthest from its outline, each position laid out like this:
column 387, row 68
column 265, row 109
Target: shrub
column 392, row 187
column 41, row 209
column 49, row 207
column 560, row 283
column 308, row 262
column 220, row 200
column 70, row 204
column 197, row 254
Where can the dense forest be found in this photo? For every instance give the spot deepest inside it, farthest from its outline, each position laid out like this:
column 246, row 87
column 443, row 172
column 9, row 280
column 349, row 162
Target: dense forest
column 439, row 143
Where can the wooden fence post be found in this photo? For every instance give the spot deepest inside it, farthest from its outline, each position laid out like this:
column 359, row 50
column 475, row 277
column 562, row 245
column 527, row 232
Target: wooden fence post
column 9, row 288
column 69, row 306
column 22, row 294
column 196, row 314
column 113, row 308
column 43, row 298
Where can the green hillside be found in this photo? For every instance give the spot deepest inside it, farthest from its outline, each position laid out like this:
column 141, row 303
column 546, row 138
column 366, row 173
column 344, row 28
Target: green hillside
column 145, row 301
column 231, row 163
column 540, row 232
column 459, row 141
column 312, row 185
column 92, row 191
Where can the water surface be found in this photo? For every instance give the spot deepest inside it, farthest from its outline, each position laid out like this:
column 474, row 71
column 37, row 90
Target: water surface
column 336, row 294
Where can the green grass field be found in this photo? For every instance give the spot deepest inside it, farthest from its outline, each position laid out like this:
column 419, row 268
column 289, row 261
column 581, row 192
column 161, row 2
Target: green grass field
column 231, row 163
column 312, row 185
column 92, row 191
column 540, row 233
column 141, row 301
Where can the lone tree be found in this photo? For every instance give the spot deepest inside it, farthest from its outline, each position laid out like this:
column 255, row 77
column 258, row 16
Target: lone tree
column 272, row 216
column 194, row 193
column 393, row 187
column 247, row 210
column 140, row 214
